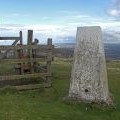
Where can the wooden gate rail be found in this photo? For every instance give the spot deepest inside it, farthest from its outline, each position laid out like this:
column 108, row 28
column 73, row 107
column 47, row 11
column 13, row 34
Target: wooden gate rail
column 45, row 53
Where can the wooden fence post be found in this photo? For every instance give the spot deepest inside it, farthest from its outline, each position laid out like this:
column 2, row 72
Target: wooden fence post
column 29, row 42
column 20, row 33
column 49, row 59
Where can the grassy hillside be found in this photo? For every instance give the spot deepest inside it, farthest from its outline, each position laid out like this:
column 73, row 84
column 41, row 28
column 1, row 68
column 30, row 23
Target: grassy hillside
column 47, row 104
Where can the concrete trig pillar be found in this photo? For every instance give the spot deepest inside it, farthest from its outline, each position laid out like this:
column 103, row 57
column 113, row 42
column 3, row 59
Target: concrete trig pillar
column 89, row 77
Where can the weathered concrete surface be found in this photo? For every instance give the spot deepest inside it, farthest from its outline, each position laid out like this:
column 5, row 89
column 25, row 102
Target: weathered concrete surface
column 89, row 76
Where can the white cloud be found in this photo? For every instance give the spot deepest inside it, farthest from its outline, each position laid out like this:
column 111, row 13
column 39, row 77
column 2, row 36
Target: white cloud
column 114, row 12
column 64, row 27
column 114, row 9
column 13, row 16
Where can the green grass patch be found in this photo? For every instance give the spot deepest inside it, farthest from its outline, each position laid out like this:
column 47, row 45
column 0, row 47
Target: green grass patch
column 48, row 104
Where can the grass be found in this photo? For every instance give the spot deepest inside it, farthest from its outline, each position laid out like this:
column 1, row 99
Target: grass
column 47, row 104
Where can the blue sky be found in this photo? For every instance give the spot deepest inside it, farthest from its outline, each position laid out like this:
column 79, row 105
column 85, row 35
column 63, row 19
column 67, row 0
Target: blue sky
column 58, row 19
column 42, row 11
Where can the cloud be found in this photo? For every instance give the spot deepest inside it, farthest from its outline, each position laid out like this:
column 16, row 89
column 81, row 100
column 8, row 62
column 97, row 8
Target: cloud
column 65, row 27
column 114, row 9
column 114, row 12
column 111, row 37
column 16, row 15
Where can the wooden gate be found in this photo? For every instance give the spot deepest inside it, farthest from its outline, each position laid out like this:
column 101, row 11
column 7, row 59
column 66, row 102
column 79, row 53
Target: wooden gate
column 31, row 61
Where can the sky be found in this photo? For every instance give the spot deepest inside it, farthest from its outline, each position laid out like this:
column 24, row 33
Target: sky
column 59, row 19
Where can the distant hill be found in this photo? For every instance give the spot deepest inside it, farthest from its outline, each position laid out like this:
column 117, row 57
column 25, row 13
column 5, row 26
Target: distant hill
column 112, row 50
